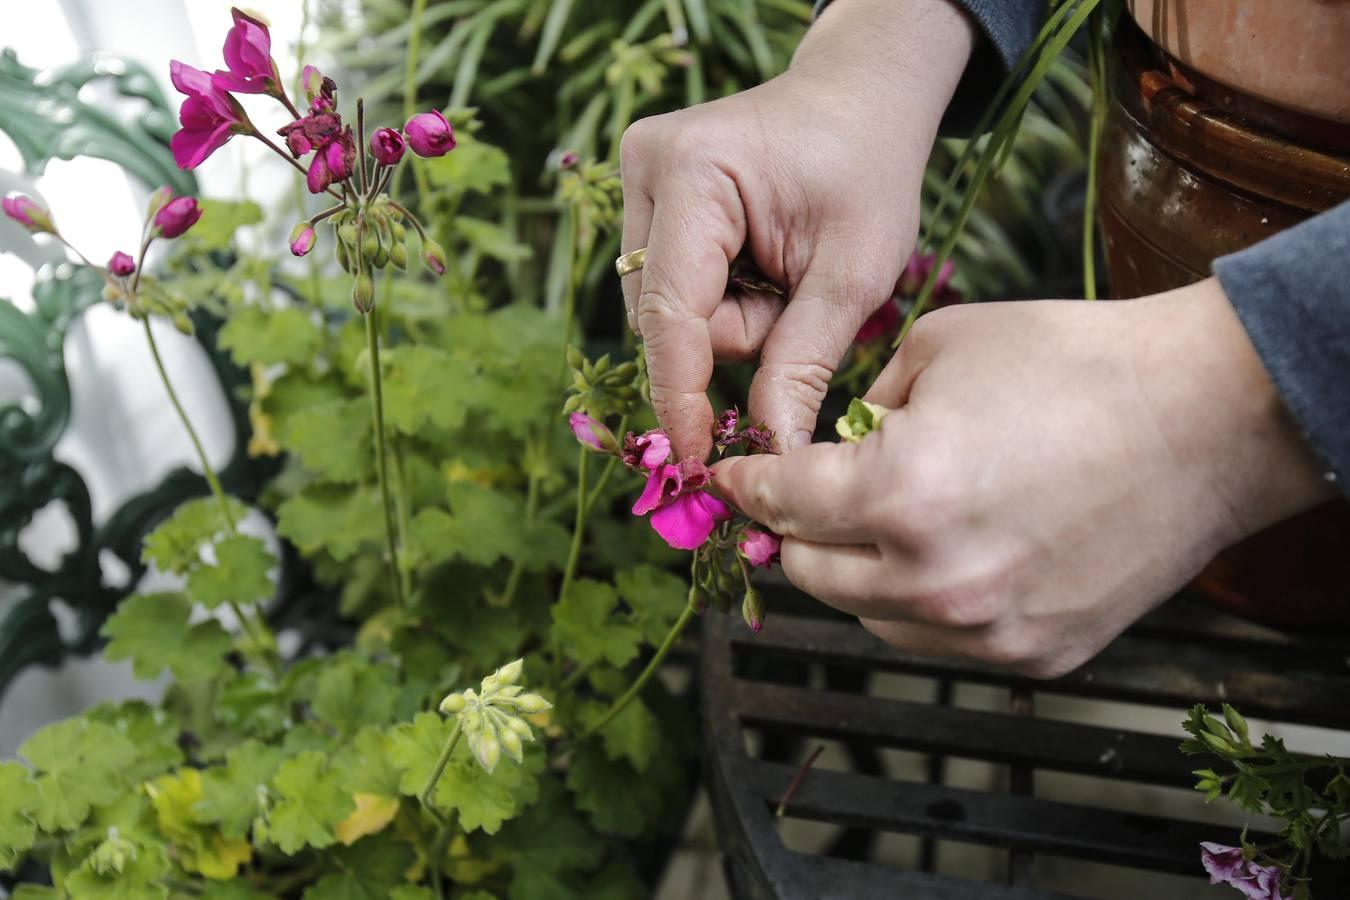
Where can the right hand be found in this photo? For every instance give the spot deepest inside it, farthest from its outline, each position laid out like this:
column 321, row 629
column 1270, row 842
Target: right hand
column 816, row 174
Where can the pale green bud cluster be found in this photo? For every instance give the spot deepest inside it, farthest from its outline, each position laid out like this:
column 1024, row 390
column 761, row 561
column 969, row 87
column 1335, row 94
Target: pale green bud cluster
column 862, row 419
column 150, row 298
column 600, row 388
column 491, row 718
column 369, row 238
column 112, row 855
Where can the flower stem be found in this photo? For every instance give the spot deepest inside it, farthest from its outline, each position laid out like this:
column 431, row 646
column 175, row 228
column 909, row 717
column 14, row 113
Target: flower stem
column 286, row 156
column 573, row 555
column 437, row 771
column 361, row 142
column 636, row 687
column 381, row 468
column 260, row 638
column 608, row 471
column 404, row 522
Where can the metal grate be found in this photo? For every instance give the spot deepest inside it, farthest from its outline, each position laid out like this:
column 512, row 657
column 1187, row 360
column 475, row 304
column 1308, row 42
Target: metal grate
column 1183, row 654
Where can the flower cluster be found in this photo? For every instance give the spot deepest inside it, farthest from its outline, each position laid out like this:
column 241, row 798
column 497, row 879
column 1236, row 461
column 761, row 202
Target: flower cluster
column 491, row 719
column 370, row 226
column 167, row 217
column 1230, row 866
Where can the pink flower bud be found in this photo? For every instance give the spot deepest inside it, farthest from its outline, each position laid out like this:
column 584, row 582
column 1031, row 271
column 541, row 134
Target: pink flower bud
column 121, row 264
column 26, row 212
column 648, row 451
column 433, row 256
column 760, row 548
column 568, row 160
column 387, row 146
column 590, row 432
column 429, row 134
column 177, row 216
column 302, row 239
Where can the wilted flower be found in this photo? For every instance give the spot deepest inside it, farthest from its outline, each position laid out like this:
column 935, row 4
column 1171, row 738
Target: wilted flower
column 177, row 216
column 387, row 146
column 26, row 212
column 648, row 451
column 209, row 116
column 302, row 238
column 590, row 432
column 724, row 430
column 1228, row 865
column 248, row 54
column 319, row 89
column 429, row 134
column 121, row 264
column 760, row 548
column 313, row 130
column 334, row 161
column 491, row 720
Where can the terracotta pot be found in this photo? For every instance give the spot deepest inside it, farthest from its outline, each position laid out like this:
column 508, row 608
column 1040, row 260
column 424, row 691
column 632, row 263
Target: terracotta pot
column 1184, row 180
column 1290, row 53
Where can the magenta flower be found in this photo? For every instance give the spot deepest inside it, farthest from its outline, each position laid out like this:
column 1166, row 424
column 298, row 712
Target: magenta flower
column 248, row 53
column 209, row 116
column 333, row 162
column 302, row 239
column 1226, row 865
column 663, row 485
column 177, row 216
column 387, row 146
column 24, row 210
column 429, row 134
column 591, row 432
column 885, row 322
column 648, row 451
column 121, row 264
column 686, row 522
column 760, row 548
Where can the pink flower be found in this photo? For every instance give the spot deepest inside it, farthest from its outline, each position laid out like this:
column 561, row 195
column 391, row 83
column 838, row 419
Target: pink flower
column 663, row 485
column 248, row 53
column 320, row 90
column 760, row 548
column 590, row 432
column 429, row 134
column 568, row 160
column 724, row 431
column 916, row 272
column 686, row 522
column 648, row 451
column 177, row 216
column 26, row 212
column 314, row 130
column 885, row 322
column 121, row 264
column 1226, row 865
column 302, row 239
column 387, row 146
column 209, row 116
column 333, row 162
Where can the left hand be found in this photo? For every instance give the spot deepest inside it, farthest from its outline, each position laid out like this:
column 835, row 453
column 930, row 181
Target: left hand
column 1050, row 472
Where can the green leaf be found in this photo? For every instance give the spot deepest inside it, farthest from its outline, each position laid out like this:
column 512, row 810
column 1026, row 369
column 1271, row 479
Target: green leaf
column 486, row 801
column 152, row 731
column 36, row 892
column 634, row 734
column 152, row 631
column 239, row 574
column 486, row 525
column 334, row 519
column 176, row 545
column 656, row 597
column 312, row 801
column 230, row 792
column 370, row 869
column 19, row 798
column 333, row 439
column 491, row 239
column 474, row 166
column 233, row 890
column 414, row 748
column 363, row 764
column 352, row 692
column 549, row 836
column 618, row 799
column 79, row 765
column 287, row 335
column 425, row 385
column 139, row 880
column 583, row 627
column 417, row 892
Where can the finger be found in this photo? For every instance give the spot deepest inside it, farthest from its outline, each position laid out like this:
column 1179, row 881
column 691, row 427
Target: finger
column 740, row 325
column 849, row 577
column 801, row 354
column 819, row 493
column 926, row 640
column 893, row 386
column 1008, row 645
column 690, row 247
column 637, row 224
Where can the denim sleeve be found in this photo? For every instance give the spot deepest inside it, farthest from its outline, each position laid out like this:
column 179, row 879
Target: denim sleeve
column 1008, row 27
column 1292, row 293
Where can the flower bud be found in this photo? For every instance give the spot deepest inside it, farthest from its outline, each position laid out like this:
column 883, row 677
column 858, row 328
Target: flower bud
column 452, row 704
column 593, row 434
column 182, row 323
column 158, row 200
column 347, row 234
column 752, row 610
column 302, row 239
column 370, row 244
column 510, row 742
column 177, row 216
column 363, row 293
column 520, row 727
column 26, row 212
column 433, row 256
column 398, row 255
column 429, row 134
column 487, row 749
column 387, row 146
column 760, row 548
column 861, row 420
column 121, row 264
column 510, row 673
column 568, row 160
column 532, row 703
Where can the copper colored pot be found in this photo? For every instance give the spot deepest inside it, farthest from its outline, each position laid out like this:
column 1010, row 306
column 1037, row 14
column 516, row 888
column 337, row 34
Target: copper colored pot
column 1186, row 176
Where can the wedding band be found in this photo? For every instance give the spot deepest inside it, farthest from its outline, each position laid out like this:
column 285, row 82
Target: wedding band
column 630, row 262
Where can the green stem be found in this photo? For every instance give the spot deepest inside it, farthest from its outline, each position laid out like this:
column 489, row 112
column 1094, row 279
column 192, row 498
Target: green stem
column 260, row 639
column 636, row 687
column 381, row 469
column 404, row 520
column 1096, row 121
column 608, row 470
column 518, row 567
column 574, row 554
column 437, row 771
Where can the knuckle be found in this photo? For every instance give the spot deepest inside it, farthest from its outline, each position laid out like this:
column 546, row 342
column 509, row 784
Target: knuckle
column 636, row 144
column 762, row 497
column 1013, row 647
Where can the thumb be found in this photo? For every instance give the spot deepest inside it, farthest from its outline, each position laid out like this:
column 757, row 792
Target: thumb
column 807, row 342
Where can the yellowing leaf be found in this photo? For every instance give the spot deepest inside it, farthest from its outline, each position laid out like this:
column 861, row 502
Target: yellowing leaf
column 219, row 858
column 373, row 812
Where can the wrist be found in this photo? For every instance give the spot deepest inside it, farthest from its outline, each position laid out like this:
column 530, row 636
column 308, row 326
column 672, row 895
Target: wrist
column 1219, row 410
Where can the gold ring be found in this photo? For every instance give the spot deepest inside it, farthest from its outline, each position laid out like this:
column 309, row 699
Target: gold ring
column 630, row 262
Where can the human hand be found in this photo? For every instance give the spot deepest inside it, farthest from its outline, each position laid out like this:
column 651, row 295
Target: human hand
column 1050, row 472
column 816, row 174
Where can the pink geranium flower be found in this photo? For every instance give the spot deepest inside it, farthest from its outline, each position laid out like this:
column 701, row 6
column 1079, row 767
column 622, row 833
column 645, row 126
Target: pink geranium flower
column 177, row 216
column 429, row 134
column 885, row 322
column 684, row 513
column 1227, row 865
column 648, row 451
column 333, row 162
column 209, row 116
column 590, row 432
column 248, row 54
column 760, row 548
column 121, row 264
column 387, row 146
column 26, row 212
column 302, row 239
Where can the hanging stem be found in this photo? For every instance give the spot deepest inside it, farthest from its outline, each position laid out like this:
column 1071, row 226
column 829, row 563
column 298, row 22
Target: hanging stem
column 381, row 468
column 636, row 687
column 1096, row 121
